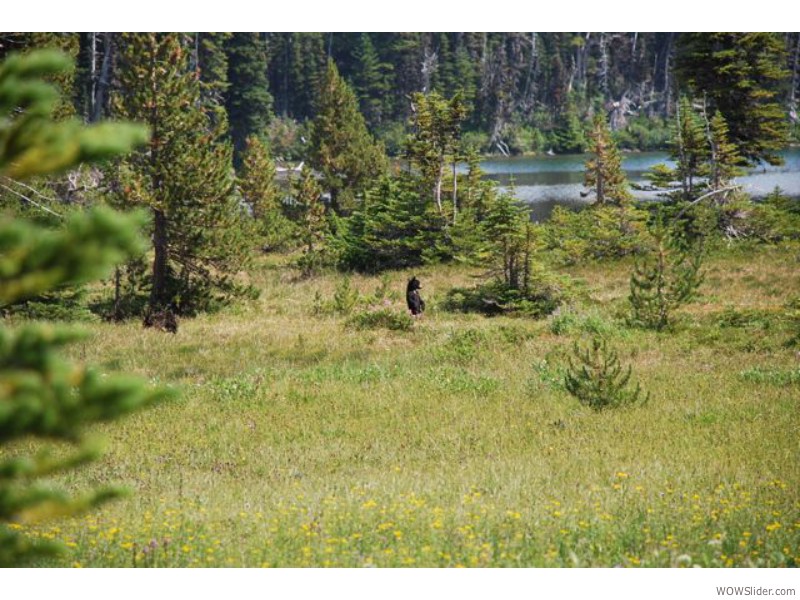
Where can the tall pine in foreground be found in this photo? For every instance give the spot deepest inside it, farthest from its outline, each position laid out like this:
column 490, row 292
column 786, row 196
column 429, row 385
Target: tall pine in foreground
column 342, row 149
column 184, row 175
column 604, row 174
column 42, row 396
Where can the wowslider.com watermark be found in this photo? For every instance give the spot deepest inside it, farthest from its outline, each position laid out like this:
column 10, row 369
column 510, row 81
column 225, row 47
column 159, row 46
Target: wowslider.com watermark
column 753, row 590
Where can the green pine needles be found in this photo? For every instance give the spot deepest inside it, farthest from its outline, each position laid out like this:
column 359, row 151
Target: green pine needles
column 42, row 396
column 665, row 278
column 598, row 380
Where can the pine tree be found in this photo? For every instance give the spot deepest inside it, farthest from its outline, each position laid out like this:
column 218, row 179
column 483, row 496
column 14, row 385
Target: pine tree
column 261, row 192
column 667, row 277
column 742, row 75
column 435, row 138
column 568, row 136
column 689, row 147
column 724, row 158
column 184, row 176
column 604, row 174
column 341, row 148
column 370, row 81
column 248, row 100
column 212, row 64
column 598, row 379
column 311, row 221
column 41, row 395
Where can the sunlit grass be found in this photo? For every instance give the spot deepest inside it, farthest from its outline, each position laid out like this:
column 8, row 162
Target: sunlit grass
column 301, row 442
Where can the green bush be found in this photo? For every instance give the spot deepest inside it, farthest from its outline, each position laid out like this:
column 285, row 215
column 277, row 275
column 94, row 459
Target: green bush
column 547, row 292
column 596, row 378
column 381, row 318
column 595, row 233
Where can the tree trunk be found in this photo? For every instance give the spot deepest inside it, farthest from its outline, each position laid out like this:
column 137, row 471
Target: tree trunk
column 104, row 80
column 455, row 191
column 158, row 293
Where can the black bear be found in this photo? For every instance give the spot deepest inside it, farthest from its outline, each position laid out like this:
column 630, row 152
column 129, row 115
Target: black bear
column 415, row 302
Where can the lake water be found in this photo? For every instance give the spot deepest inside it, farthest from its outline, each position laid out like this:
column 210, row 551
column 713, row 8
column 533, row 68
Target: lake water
column 549, row 181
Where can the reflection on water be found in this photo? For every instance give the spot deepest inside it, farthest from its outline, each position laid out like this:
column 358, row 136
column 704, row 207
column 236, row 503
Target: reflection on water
column 550, row 181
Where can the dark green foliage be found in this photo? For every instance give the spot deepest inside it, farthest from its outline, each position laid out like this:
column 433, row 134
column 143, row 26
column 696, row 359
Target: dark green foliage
column 597, row 379
column 341, row 148
column 742, row 75
column 41, row 395
column 212, row 63
column 33, row 145
column 568, row 136
column 392, row 228
column 666, row 277
column 247, row 97
column 185, row 177
column 545, row 293
column 371, row 81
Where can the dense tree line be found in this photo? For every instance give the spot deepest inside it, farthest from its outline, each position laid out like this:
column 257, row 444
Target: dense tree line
column 223, row 108
column 523, row 92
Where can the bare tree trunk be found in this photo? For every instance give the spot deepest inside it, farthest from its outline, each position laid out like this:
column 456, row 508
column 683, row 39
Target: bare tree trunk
column 160, row 261
column 104, row 80
column 455, row 191
column 437, row 190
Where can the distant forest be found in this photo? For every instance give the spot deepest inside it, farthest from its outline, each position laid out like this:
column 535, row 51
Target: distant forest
column 524, row 92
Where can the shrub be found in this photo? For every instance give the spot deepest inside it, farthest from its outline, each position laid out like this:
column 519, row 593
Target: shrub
column 546, row 292
column 381, row 318
column 597, row 379
column 665, row 278
column 595, row 233
column 345, row 297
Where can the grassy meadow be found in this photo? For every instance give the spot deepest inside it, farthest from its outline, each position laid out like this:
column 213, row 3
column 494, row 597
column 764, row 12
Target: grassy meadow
column 301, row 441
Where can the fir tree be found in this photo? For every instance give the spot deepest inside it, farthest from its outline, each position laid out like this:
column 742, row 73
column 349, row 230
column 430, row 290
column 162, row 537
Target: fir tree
column 311, row 221
column 212, row 64
column 724, row 158
column 41, row 395
column 341, row 148
column 598, row 379
column 184, row 176
column 667, row 277
column 604, row 174
column 742, row 75
column 435, row 138
column 248, row 100
column 261, row 192
column 370, row 81
column 568, row 136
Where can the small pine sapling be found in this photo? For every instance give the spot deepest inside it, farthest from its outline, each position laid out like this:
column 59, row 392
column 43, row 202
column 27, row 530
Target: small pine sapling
column 598, row 380
column 664, row 279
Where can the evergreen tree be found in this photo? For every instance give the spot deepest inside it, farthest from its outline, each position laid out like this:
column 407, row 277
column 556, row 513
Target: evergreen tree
column 742, row 75
column 370, row 81
column 261, row 192
column 184, row 176
column 248, row 100
column 667, row 276
column 41, row 395
column 724, row 158
column 435, row 138
column 604, row 174
column 311, row 221
column 568, row 136
column 341, row 148
column 212, row 64
column 391, row 228
column 689, row 147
